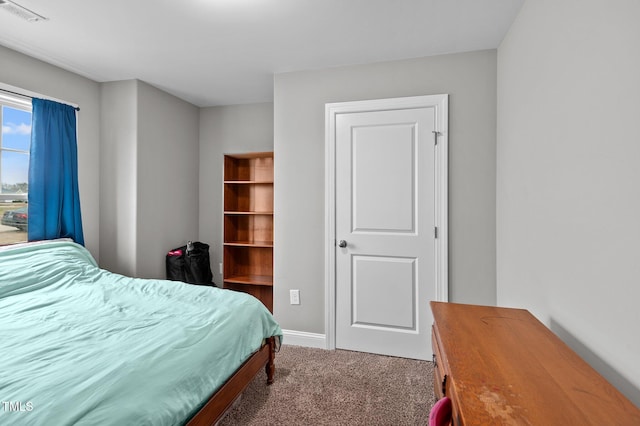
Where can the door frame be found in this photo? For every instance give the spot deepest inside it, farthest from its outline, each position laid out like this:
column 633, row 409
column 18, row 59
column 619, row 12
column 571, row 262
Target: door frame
column 441, row 141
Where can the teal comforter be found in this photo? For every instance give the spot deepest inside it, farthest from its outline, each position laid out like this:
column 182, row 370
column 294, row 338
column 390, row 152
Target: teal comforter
column 81, row 345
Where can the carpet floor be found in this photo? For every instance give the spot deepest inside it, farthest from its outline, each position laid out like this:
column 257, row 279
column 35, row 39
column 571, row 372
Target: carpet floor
column 320, row 387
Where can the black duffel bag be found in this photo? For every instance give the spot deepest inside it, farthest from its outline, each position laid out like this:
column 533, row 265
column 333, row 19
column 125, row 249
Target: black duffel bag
column 190, row 264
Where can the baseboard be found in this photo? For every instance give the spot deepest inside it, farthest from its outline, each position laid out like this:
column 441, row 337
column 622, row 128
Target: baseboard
column 303, row 338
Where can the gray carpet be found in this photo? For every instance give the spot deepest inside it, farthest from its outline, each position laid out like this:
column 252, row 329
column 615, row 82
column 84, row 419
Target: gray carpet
column 319, row 387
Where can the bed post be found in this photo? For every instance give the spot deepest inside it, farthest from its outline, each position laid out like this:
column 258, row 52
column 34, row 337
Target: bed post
column 270, row 368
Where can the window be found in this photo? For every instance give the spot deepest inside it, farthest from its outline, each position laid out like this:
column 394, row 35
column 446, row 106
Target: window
column 15, row 116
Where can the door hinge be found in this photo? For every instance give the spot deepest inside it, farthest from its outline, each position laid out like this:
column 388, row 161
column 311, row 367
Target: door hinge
column 435, row 136
column 435, row 233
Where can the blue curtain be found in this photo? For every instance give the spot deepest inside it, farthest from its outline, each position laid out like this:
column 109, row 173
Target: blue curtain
column 54, row 202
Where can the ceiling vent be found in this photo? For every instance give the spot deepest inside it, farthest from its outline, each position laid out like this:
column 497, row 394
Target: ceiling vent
column 20, row 11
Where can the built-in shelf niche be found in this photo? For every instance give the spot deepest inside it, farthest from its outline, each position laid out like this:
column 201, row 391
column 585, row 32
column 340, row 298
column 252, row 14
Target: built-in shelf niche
column 248, row 224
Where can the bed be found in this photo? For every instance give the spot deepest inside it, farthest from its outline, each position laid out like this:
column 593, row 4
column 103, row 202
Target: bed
column 81, row 345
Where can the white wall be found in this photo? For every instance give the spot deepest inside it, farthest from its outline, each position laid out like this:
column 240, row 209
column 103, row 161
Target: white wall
column 149, row 178
column 568, row 177
column 36, row 76
column 226, row 130
column 299, row 142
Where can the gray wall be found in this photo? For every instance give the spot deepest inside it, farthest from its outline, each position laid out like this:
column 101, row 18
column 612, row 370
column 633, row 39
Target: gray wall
column 149, row 178
column 118, row 177
column 568, row 177
column 226, row 130
column 36, row 76
column 167, row 177
column 299, row 142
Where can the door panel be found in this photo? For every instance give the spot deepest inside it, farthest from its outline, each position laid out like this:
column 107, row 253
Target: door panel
column 386, row 281
column 383, row 178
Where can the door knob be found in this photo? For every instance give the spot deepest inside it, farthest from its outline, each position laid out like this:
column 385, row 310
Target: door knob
column 342, row 243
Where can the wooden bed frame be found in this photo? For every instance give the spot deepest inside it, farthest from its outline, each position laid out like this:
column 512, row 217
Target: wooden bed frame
column 222, row 400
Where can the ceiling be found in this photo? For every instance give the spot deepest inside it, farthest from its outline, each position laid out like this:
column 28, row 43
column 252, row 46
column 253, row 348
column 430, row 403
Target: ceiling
column 223, row 52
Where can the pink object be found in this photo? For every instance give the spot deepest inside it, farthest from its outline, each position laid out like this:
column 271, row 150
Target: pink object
column 175, row 253
column 440, row 414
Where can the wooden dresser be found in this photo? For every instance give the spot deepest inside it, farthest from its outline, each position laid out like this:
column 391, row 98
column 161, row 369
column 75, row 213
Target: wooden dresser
column 502, row 366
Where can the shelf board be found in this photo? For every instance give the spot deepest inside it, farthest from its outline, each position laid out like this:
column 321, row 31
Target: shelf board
column 251, row 155
column 248, row 213
column 248, row 182
column 249, row 243
column 266, row 280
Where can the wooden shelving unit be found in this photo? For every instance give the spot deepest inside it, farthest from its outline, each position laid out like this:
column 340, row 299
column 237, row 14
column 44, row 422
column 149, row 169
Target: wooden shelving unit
column 248, row 225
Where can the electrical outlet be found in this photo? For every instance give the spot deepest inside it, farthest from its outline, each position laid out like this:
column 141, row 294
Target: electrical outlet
column 220, row 268
column 294, row 297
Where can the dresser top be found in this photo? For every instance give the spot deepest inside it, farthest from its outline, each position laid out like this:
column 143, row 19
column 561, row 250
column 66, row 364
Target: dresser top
column 506, row 368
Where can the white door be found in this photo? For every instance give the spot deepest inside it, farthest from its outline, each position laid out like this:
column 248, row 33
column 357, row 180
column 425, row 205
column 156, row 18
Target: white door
column 385, row 219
